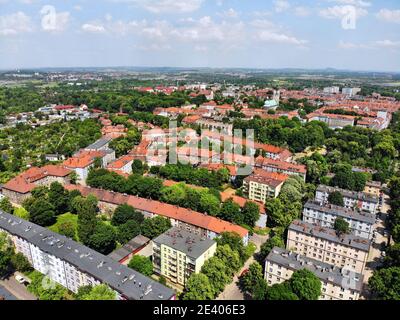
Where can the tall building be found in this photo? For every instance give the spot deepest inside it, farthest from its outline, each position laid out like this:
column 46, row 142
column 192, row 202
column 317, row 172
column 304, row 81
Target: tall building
column 178, row 253
column 324, row 244
column 352, row 199
column 73, row 265
column 332, row 90
column 337, row 283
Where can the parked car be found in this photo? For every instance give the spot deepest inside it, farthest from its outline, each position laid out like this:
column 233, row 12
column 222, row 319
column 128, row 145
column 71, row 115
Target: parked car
column 20, row 279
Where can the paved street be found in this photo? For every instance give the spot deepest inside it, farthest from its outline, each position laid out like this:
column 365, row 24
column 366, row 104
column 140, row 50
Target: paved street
column 232, row 290
column 374, row 258
column 5, row 294
column 16, row 289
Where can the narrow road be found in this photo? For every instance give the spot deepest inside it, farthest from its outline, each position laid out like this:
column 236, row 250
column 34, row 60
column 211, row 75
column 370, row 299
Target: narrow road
column 232, row 290
column 16, row 289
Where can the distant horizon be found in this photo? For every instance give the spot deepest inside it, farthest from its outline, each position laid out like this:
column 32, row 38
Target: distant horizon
column 300, row 69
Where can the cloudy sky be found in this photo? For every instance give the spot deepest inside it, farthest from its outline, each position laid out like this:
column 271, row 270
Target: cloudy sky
column 348, row 34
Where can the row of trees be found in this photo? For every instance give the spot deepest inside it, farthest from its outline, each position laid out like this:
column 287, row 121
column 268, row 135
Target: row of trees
column 10, row 261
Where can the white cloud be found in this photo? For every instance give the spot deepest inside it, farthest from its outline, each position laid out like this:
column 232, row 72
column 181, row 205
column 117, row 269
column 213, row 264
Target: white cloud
column 389, row 15
column 302, row 11
column 357, row 3
column 230, row 13
column 59, row 23
column 339, row 12
column 93, row 28
column 388, row 44
column 281, row 5
column 166, row 6
column 78, row 8
column 274, row 37
column 15, row 23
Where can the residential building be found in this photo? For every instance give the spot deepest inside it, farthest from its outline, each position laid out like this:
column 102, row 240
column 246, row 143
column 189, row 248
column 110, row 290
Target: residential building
column 361, row 223
column 351, row 91
column 73, row 265
column 332, row 90
column 352, row 199
column 279, row 166
column 178, row 253
column 261, row 185
column 101, row 144
column 19, row 188
column 194, row 222
column 337, row 283
column 324, row 244
column 128, row 250
column 123, row 164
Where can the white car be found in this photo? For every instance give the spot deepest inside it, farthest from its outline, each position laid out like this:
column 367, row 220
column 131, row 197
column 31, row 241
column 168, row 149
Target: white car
column 20, row 279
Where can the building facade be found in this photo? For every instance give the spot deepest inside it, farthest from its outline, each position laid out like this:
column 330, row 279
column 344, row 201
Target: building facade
column 323, row 244
column 178, row 253
column 361, row 224
column 337, row 283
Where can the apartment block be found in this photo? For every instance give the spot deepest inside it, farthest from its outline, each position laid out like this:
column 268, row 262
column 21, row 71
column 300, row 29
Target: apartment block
column 262, row 185
column 73, row 265
column 361, row 223
column 178, row 253
column 337, row 283
column 352, row 199
column 280, row 166
column 324, row 244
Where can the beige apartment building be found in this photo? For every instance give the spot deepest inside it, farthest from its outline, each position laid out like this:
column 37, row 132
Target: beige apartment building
column 323, row 244
column 337, row 283
column 263, row 185
column 178, row 253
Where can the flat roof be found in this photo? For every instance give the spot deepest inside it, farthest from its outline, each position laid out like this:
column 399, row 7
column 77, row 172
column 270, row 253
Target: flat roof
column 133, row 245
column 99, row 143
column 340, row 211
column 349, row 194
column 348, row 240
column 130, row 283
column 326, row 272
column 181, row 240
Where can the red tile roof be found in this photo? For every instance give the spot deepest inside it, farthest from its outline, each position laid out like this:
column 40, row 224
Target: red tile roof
column 166, row 210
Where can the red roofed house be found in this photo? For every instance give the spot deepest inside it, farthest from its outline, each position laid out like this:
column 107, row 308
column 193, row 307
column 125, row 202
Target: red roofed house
column 123, row 164
column 19, row 188
column 262, row 185
column 279, row 166
column 187, row 219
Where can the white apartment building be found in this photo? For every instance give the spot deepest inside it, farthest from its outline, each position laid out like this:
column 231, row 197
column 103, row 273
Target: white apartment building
column 324, row 244
column 332, row 90
column 337, row 283
column 361, row 223
column 73, row 265
column 178, row 253
column 352, row 199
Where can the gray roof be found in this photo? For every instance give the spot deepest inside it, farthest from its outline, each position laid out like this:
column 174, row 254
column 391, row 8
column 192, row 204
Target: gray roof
column 99, row 144
column 119, row 277
column 324, row 271
column 187, row 242
column 348, row 240
column 349, row 194
column 129, row 248
column 341, row 211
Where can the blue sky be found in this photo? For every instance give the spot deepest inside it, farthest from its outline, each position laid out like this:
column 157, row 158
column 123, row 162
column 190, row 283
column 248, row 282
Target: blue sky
column 346, row 34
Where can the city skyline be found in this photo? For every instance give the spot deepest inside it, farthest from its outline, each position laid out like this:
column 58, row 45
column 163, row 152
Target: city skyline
column 351, row 34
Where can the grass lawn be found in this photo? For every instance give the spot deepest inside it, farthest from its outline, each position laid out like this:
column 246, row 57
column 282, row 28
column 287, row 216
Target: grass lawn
column 66, row 217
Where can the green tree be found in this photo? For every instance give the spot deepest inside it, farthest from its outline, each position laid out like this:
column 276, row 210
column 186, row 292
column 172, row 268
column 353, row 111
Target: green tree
column 336, row 198
column 67, row 229
column 267, row 246
column 124, row 213
column 385, row 283
column 250, row 213
column 230, row 211
column 103, row 239
column 86, row 208
column 198, row 287
column 20, row 263
column 305, row 285
column 5, row 263
column 127, row 231
column 235, row 242
column 230, row 258
column 6, row 205
column 252, row 277
column 281, row 291
column 141, row 264
column 42, row 213
column 58, row 197
column 99, row 292
column 341, row 226
column 152, row 228
column 215, row 269
column 138, row 167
